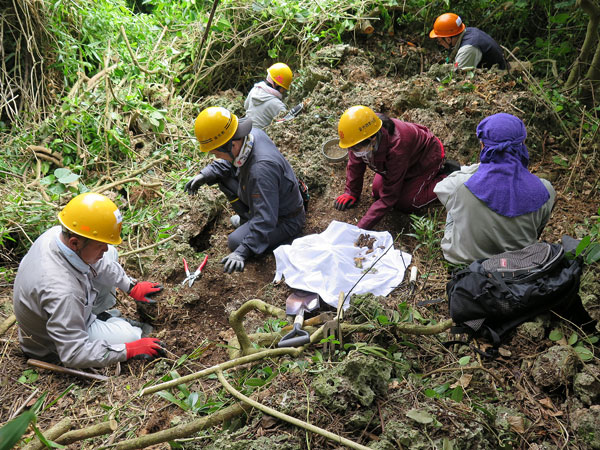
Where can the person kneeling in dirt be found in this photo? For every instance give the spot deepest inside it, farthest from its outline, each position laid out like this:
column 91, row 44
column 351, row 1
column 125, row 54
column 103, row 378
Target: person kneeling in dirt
column 256, row 179
column 471, row 47
column 497, row 205
column 407, row 157
column 65, row 287
column 264, row 102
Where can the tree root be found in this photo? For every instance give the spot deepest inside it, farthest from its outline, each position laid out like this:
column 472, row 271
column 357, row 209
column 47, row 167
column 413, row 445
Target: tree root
column 188, row 429
column 225, row 365
column 279, row 415
column 236, row 319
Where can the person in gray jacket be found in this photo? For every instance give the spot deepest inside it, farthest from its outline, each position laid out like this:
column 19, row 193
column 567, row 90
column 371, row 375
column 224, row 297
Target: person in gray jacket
column 67, row 280
column 256, row 179
column 497, row 205
column 265, row 100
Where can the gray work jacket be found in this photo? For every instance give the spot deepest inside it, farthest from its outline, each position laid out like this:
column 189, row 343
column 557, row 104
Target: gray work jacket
column 269, row 187
column 473, row 231
column 53, row 303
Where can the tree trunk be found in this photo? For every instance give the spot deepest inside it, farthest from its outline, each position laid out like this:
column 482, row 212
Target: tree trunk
column 591, row 38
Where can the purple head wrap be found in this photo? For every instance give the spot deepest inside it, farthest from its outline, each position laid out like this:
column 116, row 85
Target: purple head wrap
column 502, row 181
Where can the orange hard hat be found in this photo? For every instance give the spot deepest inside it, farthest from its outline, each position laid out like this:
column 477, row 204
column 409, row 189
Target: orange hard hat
column 447, row 25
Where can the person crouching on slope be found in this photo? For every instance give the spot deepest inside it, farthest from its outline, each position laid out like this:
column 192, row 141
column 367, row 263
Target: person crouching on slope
column 265, row 100
column 408, row 159
column 65, row 287
column 497, row 205
column 257, row 180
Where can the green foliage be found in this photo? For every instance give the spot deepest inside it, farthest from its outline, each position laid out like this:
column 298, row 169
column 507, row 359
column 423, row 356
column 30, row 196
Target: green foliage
column 29, row 376
column 272, row 325
column 589, row 247
column 426, row 230
column 11, row 432
column 581, row 346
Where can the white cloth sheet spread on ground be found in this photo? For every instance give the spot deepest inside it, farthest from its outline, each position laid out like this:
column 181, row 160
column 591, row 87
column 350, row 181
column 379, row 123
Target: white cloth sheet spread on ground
column 325, row 263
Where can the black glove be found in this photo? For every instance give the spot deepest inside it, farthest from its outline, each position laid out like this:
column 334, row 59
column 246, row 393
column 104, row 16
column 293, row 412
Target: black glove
column 296, row 110
column 233, row 262
column 191, row 187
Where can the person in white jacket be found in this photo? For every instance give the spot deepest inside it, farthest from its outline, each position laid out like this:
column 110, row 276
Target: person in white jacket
column 265, row 100
column 67, row 279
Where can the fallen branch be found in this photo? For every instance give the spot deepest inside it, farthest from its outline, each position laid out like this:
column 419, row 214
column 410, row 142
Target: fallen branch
column 86, row 433
column 46, row 154
column 130, row 177
column 296, row 422
column 52, row 433
column 8, row 322
column 222, row 366
column 148, row 247
column 466, row 369
column 188, row 429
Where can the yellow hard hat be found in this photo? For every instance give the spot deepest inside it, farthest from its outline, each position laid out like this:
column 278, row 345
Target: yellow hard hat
column 447, row 25
column 93, row 216
column 214, row 127
column 281, row 74
column 357, row 124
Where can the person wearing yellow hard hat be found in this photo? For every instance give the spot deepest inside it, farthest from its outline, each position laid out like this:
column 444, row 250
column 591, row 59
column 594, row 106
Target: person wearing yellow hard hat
column 470, row 47
column 257, row 180
column 265, row 100
column 407, row 158
column 65, row 287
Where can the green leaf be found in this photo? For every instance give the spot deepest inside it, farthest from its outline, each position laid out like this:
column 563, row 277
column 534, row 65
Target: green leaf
column 255, row 382
column 582, row 245
column 431, row 393
column 383, row 320
column 572, row 339
column 464, row 360
column 555, row 335
column 420, row 416
column 12, row 431
column 170, row 397
column 441, row 388
column 584, row 353
column 69, row 178
column 457, row 394
column 47, row 443
column 62, row 172
column 593, row 253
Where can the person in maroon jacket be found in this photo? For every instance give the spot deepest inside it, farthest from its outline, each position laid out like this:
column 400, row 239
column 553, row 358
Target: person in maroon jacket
column 408, row 159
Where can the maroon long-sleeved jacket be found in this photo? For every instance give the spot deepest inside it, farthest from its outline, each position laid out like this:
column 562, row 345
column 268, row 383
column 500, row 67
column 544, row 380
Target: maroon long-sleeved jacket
column 405, row 160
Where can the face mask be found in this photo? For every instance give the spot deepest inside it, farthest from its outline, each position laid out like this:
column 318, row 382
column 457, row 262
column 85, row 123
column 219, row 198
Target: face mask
column 364, row 150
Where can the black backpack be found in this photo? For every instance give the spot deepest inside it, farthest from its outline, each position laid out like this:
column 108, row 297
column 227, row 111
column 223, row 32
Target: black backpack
column 493, row 296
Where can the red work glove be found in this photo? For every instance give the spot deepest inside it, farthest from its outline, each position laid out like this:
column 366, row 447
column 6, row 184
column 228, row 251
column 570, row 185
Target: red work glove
column 142, row 289
column 344, row 201
column 145, row 348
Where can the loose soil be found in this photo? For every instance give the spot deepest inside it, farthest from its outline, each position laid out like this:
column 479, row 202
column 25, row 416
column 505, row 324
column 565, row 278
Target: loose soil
column 388, row 76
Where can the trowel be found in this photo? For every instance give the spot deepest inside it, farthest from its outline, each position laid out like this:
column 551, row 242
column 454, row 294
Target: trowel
column 297, row 303
column 308, row 301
